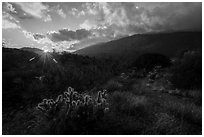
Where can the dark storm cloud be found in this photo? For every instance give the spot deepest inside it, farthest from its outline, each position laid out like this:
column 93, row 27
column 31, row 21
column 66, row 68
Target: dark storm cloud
column 69, row 35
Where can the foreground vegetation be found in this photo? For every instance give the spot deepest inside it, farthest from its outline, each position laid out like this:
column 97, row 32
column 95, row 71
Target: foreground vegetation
column 106, row 99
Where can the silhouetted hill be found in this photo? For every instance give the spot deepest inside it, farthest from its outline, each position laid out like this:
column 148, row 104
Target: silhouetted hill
column 168, row 44
column 35, row 50
column 29, row 77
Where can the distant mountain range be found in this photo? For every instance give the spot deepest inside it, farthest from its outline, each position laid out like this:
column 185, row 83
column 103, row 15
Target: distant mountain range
column 35, row 50
column 168, row 44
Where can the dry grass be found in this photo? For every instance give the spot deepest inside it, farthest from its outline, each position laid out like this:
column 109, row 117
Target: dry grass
column 113, row 85
column 128, row 103
column 185, row 111
column 194, row 93
column 165, row 125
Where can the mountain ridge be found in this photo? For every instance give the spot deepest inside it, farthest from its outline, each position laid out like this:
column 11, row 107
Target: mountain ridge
column 132, row 46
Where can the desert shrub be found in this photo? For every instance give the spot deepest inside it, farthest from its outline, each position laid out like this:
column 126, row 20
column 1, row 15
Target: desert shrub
column 187, row 71
column 185, row 112
column 150, row 60
column 113, row 85
column 128, row 103
column 178, row 118
column 72, row 113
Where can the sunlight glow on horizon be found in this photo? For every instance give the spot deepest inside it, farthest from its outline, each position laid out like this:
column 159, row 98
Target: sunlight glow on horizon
column 45, row 50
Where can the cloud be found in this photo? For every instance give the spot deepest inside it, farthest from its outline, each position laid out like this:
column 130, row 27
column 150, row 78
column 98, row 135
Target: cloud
column 34, row 36
column 103, row 20
column 15, row 10
column 8, row 43
column 91, row 8
column 61, row 13
column 87, row 24
column 47, row 18
column 6, row 24
column 9, row 7
column 59, row 43
column 6, row 15
column 9, row 22
column 57, row 9
column 65, row 46
column 113, row 19
column 68, row 35
column 35, row 9
column 76, row 12
column 37, row 37
column 116, row 19
column 175, row 16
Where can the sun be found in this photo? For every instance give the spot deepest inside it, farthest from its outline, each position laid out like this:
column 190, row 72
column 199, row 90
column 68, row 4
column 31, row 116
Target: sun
column 45, row 50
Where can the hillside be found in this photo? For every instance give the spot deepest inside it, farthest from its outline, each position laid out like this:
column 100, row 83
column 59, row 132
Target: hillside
column 35, row 50
column 107, row 98
column 26, row 74
column 136, row 105
column 130, row 47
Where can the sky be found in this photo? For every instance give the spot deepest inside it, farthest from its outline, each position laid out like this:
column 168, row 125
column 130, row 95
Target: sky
column 72, row 26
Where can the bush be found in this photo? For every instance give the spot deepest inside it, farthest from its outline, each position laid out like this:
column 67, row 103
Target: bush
column 187, row 71
column 150, row 60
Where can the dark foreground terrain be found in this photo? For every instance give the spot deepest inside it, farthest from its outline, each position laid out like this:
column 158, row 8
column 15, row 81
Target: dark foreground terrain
column 63, row 93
